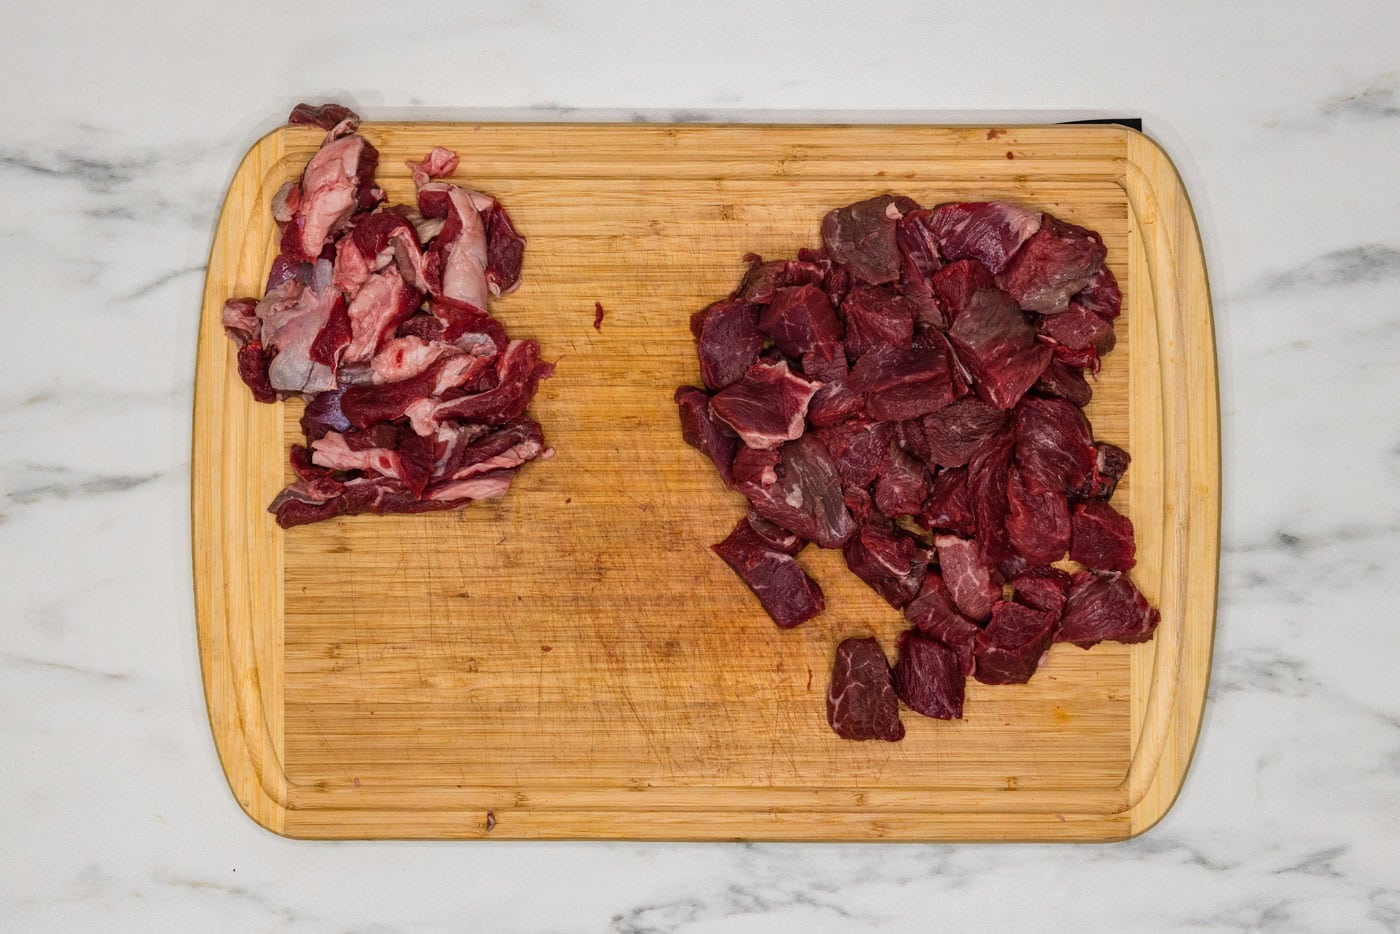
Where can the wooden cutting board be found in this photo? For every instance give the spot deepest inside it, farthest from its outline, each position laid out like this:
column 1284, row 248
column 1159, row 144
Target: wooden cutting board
column 571, row 661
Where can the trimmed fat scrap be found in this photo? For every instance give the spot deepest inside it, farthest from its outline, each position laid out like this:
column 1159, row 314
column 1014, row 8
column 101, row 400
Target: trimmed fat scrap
column 408, row 409
column 913, row 393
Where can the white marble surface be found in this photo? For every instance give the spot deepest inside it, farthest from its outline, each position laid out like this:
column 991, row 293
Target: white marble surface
column 121, row 124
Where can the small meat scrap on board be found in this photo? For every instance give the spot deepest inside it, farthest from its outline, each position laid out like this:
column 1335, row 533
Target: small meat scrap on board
column 913, row 392
column 410, row 407
column 860, row 701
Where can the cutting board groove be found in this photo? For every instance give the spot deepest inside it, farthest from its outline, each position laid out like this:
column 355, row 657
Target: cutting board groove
column 572, row 660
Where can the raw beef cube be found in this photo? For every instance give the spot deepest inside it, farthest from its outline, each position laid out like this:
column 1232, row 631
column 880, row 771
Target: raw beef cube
column 956, row 283
column 909, row 435
column 949, row 505
column 987, row 476
column 518, row 374
column 1041, row 589
column 1067, row 382
column 705, row 433
column 1078, row 329
column 788, row 595
column 1103, row 539
column 861, row 237
column 928, row 676
column 902, row 486
column 988, row 231
column 774, row 536
column 892, row 564
column 800, row 319
column 1101, row 295
column 796, row 487
column 338, row 181
column 836, row 281
column 1110, row 463
column 902, row 384
column 767, row 407
column 763, row 280
column 968, row 579
column 919, row 260
column 505, row 250
column 860, row 448
column 729, row 341
column 934, row 613
column 1106, row 606
column 331, row 117
column 999, row 345
column 861, row 703
column 1037, row 524
column 1057, row 262
column 877, row 318
column 1054, row 446
column 834, row 402
column 859, row 502
column 1009, row 649
column 957, row 432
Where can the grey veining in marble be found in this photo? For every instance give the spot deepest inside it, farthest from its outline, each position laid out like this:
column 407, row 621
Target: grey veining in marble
column 120, row 127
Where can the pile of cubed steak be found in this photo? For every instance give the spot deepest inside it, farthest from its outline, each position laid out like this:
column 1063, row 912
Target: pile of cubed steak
column 377, row 315
column 912, row 394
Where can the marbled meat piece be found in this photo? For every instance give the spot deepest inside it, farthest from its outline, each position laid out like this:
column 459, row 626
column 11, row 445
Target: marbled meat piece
column 785, row 591
column 834, row 401
column 903, row 485
column 1009, row 650
column 1060, row 260
column 729, row 341
column 899, row 384
column 1078, row 332
column 990, row 232
column 956, row 283
column 1102, row 295
column 877, row 317
column 919, row 260
column 987, row 476
column 998, row 344
column 767, row 407
column 934, row 613
column 861, row 237
column 949, row 504
column 1054, row 446
column 775, row 536
column 929, row 677
column 972, row 582
column 763, row 280
column 707, row 434
column 1102, row 538
column 1105, row 607
column 860, row 701
column 1037, row 524
column 860, row 448
column 1110, row 463
column 958, row 431
column 1041, row 588
column 338, row 181
column 893, row 564
column 1067, row 382
column 800, row 319
column 796, row 487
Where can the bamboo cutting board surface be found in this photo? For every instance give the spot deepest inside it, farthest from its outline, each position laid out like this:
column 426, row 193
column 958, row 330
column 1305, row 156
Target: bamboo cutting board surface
column 572, row 661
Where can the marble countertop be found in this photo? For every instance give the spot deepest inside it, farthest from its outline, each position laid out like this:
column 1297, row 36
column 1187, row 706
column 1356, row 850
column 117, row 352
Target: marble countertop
column 119, row 131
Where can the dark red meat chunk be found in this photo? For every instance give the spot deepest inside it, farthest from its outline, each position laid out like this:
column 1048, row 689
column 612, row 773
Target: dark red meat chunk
column 919, row 260
column 1057, row 262
column 796, row 487
column 970, row 580
column 949, row 505
column 902, row 384
column 860, row 448
column 861, row 237
column 1009, row 649
column 998, row 344
column 729, row 341
column 988, row 231
column 934, row 613
column 877, row 318
column 1067, row 382
column 959, row 431
column 1037, row 524
column 763, row 280
column 1054, row 447
column 326, row 116
column 956, row 283
column 928, row 676
column 834, row 401
column 987, row 477
column 1106, row 607
column 767, row 407
column 860, row 702
column 775, row 536
column 1110, row 463
column 902, row 486
column 1078, row 329
column 1102, row 295
column 785, row 591
column 892, row 564
column 1102, row 538
column 705, row 433
column 1041, row 589
column 800, row 319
